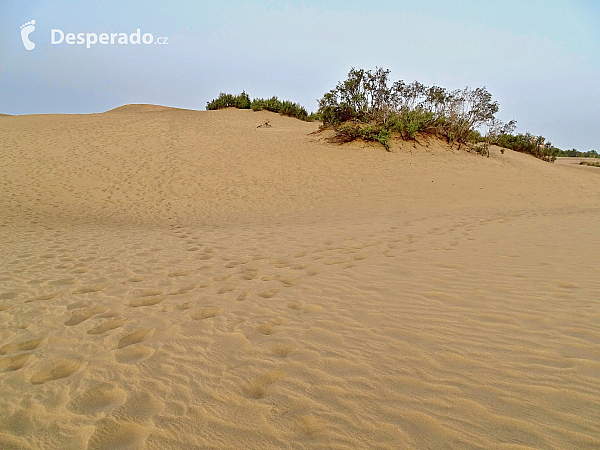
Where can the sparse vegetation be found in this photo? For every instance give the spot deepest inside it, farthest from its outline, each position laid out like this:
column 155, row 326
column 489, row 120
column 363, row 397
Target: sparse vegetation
column 368, row 106
column 589, row 163
column 242, row 101
column 285, row 107
column 528, row 143
column 577, row 154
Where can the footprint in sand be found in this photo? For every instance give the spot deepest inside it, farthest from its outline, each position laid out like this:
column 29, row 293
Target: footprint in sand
column 181, row 273
column 135, row 338
column 89, row 289
column 101, row 398
column 311, row 426
column 137, row 279
column 76, row 305
column 23, row 346
column 268, row 328
column 129, row 352
column 55, row 370
column 286, row 281
column 141, row 406
column 282, row 350
column 186, row 305
column 107, row 326
column 243, row 295
column 280, row 263
column 64, row 282
column 257, row 388
column 150, row 293
column 146, row 301
column 16, row 362
column 222, row 278
column 333, row 261
column 206, row 313
column 112, row 434
column 225, row 289
column 296, row 306
column 250, row 275
column 42, row 298
column 134, row 354
column 269, row 293
column 185, row 289
column 313, row 308
column 84, row 314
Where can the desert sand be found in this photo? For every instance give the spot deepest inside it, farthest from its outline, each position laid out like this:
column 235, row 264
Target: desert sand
column 174, row 279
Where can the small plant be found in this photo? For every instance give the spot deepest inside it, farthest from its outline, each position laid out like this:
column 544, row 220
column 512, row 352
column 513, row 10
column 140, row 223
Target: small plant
column 265, row 124
column 496, row 130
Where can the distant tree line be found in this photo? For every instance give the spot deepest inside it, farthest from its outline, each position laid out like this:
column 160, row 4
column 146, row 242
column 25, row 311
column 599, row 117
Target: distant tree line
column 588, row 163
column 577, row 154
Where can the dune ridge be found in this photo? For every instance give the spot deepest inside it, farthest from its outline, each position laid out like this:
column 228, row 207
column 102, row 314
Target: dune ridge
column 184, row 279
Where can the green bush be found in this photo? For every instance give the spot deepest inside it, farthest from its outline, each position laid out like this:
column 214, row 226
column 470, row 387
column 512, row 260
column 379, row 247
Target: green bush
column 410, row 123
column 528, row 143
column 575, row 153
column 241, row 101
column 347, row 132
column 376, row 133
column 285, row 108
column 368, row 106
column 367, row 97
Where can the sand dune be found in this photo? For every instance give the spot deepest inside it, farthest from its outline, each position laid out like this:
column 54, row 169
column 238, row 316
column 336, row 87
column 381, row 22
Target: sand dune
column 184, row 279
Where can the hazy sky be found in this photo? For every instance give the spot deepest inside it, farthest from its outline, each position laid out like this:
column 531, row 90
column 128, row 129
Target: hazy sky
column 539, row 58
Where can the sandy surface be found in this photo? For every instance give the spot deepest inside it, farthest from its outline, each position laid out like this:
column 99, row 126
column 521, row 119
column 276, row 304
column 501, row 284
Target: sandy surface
column 179, row 279
column 576, row 162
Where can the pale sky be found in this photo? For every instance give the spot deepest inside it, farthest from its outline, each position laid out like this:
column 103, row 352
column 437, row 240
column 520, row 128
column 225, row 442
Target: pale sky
column 539, row 59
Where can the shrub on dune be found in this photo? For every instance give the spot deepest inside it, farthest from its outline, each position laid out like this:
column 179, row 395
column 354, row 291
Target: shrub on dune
column 378, row 109
column 368, row 106
column 241, row 101
column 273, row 104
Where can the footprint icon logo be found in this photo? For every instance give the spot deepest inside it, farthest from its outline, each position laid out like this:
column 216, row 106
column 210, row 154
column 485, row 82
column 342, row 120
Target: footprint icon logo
column 26, row 30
